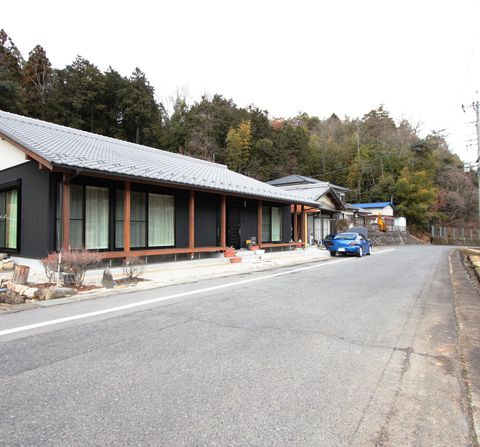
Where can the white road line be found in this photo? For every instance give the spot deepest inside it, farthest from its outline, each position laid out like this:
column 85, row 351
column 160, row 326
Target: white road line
column 168, row 297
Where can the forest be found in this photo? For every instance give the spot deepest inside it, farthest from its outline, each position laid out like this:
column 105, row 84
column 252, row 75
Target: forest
column 376, row 157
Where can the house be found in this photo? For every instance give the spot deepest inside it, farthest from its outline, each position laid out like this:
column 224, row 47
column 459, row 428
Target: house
column 387, row 210
column 319, row 221
column 65, row 188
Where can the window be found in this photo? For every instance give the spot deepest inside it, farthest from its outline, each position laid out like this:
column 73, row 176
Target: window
column 161, row 220
column 266, row 226
column 276, row 224
column 89, row 217
column 272, row 224
column 96, row 218
column 152, row 220
column 9, row 219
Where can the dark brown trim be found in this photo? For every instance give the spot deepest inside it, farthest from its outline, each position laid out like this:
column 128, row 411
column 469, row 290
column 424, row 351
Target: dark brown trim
column 32, row 155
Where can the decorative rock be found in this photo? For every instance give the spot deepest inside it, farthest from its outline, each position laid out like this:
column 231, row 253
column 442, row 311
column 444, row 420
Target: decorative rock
column 30, row 292
column 40, row 294
column 107, row 279
column 7, row 264
column 59, row 292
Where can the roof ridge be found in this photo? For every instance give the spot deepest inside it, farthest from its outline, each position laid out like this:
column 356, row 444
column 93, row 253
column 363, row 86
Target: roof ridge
column 95, row 136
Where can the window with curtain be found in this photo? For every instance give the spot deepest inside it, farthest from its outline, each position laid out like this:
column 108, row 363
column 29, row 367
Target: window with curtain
column 161, row 220
column 266, row 226
column 138, row 219
column 9, row 219
column 89, row 217
column 276, row 224
column 119, row 198
column 96, row 218
column 76, row 217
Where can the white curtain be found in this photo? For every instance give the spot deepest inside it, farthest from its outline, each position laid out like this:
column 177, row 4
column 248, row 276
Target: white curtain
column 119, row 219
column 138, row 219
column 276, row 224
column 96, row 218
column 161, row 220
column 12, row 210
column 266, row 224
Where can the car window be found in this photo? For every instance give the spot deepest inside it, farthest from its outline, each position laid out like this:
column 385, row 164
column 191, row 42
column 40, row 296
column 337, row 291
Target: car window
column 346, row 236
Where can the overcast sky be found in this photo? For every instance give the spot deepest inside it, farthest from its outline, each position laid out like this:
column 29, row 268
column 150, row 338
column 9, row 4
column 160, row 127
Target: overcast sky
column 421, row 59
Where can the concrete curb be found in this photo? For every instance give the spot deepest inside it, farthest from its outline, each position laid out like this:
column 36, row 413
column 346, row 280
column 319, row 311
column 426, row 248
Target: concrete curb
column 467, row 314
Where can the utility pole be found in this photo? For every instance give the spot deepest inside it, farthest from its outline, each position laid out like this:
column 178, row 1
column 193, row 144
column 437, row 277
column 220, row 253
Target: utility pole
column 476, row 107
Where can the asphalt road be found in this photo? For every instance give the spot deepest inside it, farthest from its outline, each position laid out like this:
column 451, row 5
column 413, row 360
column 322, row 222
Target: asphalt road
column 361, row 352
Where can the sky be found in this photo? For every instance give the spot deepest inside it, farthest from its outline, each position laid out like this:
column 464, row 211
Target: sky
column 420, row 59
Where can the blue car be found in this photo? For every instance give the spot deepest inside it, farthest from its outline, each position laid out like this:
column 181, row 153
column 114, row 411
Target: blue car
column 351, row 243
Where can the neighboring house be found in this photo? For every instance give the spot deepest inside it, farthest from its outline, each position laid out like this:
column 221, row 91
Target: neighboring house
column 387, row 210
column 65, row 188
column 319, row 221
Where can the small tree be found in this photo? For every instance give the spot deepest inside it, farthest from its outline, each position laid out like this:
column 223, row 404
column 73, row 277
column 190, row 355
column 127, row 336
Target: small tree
column 133, row 267
column 76, row 262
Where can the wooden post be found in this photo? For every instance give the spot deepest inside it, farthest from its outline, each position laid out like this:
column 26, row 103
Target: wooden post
column 126, row 217
column 302, row 224
column 191, row 222
column 223, row 222
column 259, row 222
column 66, row 212
column 295, row 224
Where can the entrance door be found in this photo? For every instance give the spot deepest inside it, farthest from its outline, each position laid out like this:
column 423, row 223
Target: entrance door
column 233, row 224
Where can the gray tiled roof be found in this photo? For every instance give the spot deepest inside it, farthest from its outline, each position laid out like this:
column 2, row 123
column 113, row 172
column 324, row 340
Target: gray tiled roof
column 313, row 191
column 291, row 179
column 64, row 146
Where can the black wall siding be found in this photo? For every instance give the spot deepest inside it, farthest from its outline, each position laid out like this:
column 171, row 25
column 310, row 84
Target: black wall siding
column 35, row 209
column 38, row 202
column 248, row 220
column 287, row 223
column 206, row 225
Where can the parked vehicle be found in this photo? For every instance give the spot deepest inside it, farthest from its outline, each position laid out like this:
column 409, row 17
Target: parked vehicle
column 351, row 243
column 327, row 241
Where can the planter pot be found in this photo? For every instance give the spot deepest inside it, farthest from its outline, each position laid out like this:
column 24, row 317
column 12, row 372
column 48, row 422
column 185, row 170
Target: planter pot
column 254, row 247
column 229, row 252
column 299, row 245
column 235, row 260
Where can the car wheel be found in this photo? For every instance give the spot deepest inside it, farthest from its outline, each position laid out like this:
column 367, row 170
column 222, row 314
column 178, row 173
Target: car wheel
column 333, row 253
column 360, row 252
column 370, row 250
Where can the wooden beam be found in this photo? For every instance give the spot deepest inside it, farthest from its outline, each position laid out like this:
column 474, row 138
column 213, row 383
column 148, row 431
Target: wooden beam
column 302, row 224
column 295, row 223
column 223, row 221
column 30, row 154
column 259, row 221
column 66, row 213
column 191, row 221
column 158, row 251
column 126, row 217
column 163, row 184
column 281, row 244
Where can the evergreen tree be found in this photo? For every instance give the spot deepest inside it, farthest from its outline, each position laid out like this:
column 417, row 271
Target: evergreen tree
column 239, row 142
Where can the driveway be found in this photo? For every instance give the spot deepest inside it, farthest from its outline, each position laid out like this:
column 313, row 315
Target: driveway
column 348, row 352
